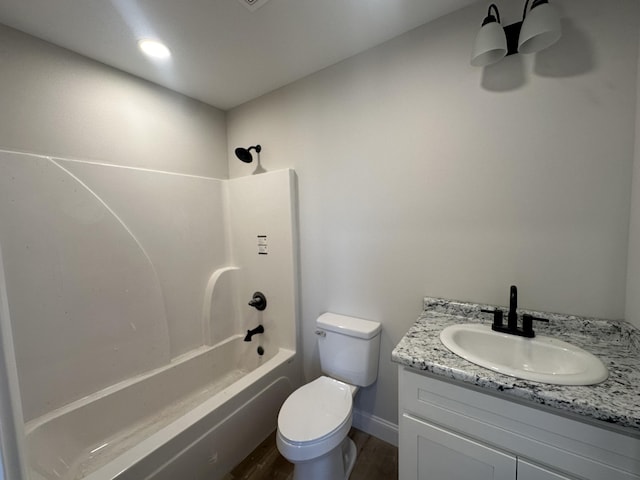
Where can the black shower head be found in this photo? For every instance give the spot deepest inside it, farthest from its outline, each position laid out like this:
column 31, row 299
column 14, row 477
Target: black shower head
column 244, row 154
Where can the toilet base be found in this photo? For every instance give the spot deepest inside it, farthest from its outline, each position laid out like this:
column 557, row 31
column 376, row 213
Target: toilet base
column 349, row 454
column 334, row 465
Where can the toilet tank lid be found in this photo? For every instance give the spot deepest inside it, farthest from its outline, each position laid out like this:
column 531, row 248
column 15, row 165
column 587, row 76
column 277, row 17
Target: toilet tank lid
column 352, row 326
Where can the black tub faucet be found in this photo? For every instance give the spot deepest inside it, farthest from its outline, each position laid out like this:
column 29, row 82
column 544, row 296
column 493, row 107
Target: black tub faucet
column 251, row 333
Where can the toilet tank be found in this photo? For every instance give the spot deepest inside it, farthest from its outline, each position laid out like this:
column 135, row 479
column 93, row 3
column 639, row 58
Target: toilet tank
column 349, row 348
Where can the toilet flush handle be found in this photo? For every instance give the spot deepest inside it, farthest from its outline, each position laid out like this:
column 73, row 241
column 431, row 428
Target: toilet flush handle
column 321, row 333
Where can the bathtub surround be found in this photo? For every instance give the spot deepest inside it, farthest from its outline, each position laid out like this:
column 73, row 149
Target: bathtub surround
column 105, row 268
column 115, row 272
column 265, row 205
column 421, row 174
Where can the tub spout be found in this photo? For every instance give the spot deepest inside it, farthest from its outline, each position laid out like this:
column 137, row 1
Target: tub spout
column 251, row 333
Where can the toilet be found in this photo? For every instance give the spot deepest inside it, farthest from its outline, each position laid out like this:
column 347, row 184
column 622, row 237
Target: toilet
column 314, row 421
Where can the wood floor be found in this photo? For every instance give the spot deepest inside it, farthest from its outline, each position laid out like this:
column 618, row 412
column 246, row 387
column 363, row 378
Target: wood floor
column 377, row 460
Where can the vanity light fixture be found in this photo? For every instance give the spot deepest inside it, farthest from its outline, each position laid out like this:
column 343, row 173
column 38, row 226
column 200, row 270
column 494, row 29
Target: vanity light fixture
column 154, row 49
column 539, row 29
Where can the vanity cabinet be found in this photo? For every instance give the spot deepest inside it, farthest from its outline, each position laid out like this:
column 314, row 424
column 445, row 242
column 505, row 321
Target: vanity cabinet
column 450, row 432
column 431, row 452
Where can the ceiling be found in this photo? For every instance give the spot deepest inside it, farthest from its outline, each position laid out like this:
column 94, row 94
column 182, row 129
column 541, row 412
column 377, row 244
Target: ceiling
column 222, row 53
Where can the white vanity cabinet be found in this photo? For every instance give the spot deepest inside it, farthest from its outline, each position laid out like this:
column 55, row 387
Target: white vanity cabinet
column 431, row 452
column 453, row 432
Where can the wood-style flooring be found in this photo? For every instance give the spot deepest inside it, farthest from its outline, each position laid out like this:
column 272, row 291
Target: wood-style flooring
column 377, row 460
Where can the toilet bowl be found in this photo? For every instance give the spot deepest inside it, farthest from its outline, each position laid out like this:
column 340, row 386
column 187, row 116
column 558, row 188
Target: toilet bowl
column 314, row 421
column 313, row 424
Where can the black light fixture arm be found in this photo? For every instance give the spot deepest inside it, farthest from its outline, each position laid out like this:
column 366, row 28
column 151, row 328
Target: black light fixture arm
column 511, row 31
column 524, row 12
column 490, row 17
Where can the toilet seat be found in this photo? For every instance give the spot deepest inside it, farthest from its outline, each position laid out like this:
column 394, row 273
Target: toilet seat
column 314, row 419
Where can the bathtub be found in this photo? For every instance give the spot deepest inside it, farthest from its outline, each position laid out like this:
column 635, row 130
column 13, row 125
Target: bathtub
column 196, row 418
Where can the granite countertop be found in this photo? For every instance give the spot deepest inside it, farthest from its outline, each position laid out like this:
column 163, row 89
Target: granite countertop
column 616, row 343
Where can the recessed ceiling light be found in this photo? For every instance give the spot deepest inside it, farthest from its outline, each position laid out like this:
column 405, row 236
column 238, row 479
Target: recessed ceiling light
column 153, row 48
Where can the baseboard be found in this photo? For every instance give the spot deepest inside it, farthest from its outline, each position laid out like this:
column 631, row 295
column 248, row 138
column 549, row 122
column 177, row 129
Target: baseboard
column 376, row 426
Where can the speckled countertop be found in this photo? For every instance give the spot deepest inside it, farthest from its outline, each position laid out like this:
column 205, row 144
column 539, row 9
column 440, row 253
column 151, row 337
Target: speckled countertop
column 617, row 344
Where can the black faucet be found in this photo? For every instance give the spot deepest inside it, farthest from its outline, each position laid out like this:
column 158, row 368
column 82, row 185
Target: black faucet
column 251, row 333
column 512, row 318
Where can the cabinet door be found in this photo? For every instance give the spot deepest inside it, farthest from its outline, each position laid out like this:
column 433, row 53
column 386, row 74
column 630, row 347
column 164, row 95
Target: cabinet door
column 428, row 452
column 529, row 471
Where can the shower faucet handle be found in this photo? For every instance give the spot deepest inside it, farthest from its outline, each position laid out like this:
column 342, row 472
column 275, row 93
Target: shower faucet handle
column 258, row 301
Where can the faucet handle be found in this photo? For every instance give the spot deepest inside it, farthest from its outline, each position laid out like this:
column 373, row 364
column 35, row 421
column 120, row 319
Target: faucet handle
column 527, row 324
column 497, row 316
column 258, row 301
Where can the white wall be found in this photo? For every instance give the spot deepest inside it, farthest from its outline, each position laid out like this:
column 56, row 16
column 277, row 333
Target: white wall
column 421, row 175
column 55, row 102
column 632, row 313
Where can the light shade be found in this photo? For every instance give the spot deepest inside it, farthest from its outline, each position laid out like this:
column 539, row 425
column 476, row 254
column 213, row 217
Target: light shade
column 490, row 46
column 540, row 29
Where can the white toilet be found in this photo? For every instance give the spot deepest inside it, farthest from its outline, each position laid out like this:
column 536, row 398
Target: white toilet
column 314, row 421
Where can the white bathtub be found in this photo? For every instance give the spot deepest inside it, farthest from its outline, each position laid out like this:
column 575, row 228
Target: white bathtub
column 195, row 418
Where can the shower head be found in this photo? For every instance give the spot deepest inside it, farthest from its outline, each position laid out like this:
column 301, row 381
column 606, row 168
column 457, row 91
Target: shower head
column 244, row 154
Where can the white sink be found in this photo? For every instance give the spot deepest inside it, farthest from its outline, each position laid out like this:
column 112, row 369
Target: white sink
column 541, row 359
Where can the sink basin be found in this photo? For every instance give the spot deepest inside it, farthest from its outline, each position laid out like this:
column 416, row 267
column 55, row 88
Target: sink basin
column 541, row 359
